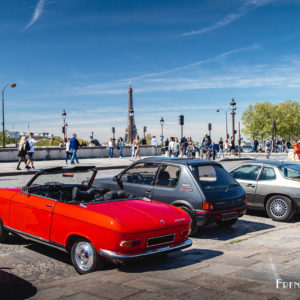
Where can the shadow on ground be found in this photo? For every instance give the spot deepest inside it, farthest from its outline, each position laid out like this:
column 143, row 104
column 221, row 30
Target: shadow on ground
column 220, row 233
column 171, row 261
column 14, row 287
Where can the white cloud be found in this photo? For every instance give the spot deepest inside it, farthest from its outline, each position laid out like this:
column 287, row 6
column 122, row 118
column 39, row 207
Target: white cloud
column 231, row 17
column 37, row 13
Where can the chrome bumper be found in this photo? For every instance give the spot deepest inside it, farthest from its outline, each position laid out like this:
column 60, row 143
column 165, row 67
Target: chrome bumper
column 114, row 256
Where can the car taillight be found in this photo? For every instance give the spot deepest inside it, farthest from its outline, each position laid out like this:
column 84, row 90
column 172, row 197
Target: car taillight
column 245, row 199
column 127, row 244
column 207, row 206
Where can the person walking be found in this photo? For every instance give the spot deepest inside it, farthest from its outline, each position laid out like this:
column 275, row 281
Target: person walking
column 30, row 145
column 136, row 144
column 221, row 148
column 74, row 145
column 68, row 152
column 120, row 146
column 22, row 152
column 110, row 145
column 171, row 147
column 154, row 141
column 296, row 149
column 226, row 147
column 176, row 147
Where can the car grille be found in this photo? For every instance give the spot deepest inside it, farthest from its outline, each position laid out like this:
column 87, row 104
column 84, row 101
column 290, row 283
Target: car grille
column 159, row 240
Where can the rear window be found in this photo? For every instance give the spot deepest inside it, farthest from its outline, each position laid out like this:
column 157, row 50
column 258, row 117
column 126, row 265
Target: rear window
column 212, row 176
column 291, row 171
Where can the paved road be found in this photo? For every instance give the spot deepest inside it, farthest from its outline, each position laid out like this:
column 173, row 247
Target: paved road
column 237, row 254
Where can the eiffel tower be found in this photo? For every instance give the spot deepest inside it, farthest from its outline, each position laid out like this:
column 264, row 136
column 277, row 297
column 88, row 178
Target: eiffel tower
column 130, row 132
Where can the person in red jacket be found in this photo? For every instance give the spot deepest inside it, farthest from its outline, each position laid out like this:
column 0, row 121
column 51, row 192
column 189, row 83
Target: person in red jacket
column 296, row 149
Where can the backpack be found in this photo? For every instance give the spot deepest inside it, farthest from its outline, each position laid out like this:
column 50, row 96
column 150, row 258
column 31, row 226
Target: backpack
column 26, row 146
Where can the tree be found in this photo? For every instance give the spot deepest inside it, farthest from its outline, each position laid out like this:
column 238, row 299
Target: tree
column 258, row 119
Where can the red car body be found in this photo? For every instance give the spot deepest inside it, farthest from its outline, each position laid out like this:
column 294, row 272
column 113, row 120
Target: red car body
column 114, row 229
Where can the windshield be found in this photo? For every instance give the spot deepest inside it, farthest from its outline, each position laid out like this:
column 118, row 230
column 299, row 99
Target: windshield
column 212, row 176
column 291, row 171
column 63, row 176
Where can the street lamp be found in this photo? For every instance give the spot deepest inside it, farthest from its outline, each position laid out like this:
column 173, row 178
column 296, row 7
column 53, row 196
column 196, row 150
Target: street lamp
column 113, row 132
column 233, row 108
column 131, row 115
column 162, row 121
column 225, row 110
column 145, row 129
column 13, row 85
column 64, row 129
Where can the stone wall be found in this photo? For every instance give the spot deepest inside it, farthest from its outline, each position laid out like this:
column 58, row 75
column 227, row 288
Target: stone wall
column 52, row 153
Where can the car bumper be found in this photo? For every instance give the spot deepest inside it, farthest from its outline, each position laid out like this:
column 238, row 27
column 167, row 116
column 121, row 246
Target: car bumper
column 119, row 257
column 205, row 217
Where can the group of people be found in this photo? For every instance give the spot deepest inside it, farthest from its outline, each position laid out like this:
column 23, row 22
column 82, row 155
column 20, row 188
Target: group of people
column 26, row 150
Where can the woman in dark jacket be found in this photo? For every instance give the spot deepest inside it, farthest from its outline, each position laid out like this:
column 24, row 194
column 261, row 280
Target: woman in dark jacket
column 22, row 152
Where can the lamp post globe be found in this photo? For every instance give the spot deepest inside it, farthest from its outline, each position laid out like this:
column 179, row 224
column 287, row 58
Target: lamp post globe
column 12, row 85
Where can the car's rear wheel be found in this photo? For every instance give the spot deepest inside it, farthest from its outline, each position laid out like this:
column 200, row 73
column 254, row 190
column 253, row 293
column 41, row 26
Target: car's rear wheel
column 227, row 223
column 3, row 233
column 194, row 227
column 280, row 208
column 85, row 258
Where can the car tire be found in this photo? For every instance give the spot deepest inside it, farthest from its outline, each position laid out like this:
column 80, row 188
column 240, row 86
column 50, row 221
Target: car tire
column 194, row 227
column 3, row 233
column 85, row 258
column 280, row 208
column 227, row 223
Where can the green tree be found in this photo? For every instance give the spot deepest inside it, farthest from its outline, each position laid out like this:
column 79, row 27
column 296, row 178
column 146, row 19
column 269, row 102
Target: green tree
column 258, row 119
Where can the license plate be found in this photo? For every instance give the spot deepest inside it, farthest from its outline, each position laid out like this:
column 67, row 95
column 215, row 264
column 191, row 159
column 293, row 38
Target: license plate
column 228, row 216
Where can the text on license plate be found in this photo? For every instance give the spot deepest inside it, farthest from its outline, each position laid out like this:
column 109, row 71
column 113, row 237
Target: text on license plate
column 228, row 216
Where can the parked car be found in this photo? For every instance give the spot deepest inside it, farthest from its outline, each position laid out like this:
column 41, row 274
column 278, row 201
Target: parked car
column 204, row 189
column 272, row 186
column 91, row 224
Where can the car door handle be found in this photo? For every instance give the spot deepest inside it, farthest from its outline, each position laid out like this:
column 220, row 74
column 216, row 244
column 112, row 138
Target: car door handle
column 250, row 185
column 49, row 205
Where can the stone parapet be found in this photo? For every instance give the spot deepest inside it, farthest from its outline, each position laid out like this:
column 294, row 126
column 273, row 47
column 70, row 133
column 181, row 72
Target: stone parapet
column 56, row 153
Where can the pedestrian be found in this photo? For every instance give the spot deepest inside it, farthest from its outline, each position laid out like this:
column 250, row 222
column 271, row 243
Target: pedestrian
column 176, row 147
column 30, row 145
column 221, row 148
column 184, row 145
column 212, row 149
column 136, row 144
column 22, row 152
column 171, row 146
column 68, row 151
column 120, row 146
column 154, row 141
column 268, row 148
column 144, row 141
column 255, row 144
column 110, row 145
column 226, row 147
column 74, row 145
column 232, row 147
column 296, row 149
column 167, row 143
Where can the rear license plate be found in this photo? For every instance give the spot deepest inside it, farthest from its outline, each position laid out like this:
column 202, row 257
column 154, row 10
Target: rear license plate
column 228, row 216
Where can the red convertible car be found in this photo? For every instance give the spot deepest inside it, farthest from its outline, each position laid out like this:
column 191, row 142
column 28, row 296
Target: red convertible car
column 91, row 224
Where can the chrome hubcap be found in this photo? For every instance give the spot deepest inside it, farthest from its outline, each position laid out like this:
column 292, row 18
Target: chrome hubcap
column 278, row 208
column 84, row 256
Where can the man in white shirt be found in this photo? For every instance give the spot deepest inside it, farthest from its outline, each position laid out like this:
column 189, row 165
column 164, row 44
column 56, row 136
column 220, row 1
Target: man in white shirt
column 154, row 141
column 31, row 141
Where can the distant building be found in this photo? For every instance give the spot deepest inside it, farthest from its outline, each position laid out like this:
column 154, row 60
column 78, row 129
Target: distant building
column 131, row 131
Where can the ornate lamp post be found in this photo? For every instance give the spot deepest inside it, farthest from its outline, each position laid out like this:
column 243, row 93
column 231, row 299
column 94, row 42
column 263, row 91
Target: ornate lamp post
column 225, row 110
column 131, row 116
column 12, row 85
column 113, row 130
column 64, row 129
column 233, row 108
column 162, row 121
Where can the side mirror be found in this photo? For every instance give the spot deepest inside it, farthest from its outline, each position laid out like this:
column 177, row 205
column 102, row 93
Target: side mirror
column 24, row 189
column 115, row 178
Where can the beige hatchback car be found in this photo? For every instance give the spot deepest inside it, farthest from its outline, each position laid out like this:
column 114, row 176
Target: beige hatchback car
column 272, row 186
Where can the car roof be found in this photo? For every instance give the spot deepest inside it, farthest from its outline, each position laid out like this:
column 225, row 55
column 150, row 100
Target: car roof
column 181, row 161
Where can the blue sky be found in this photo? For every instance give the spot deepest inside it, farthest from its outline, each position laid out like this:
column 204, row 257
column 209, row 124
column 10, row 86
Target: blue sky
column 183, row 57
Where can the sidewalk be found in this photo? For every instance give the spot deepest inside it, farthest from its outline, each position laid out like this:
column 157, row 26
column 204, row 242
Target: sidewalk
column 262, row 265
column 9, row 168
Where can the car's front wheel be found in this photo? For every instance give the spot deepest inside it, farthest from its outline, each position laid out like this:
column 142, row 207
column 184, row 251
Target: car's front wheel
column 85, row 258
column 3, row 233
column 194, row 227
column 280, row 208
